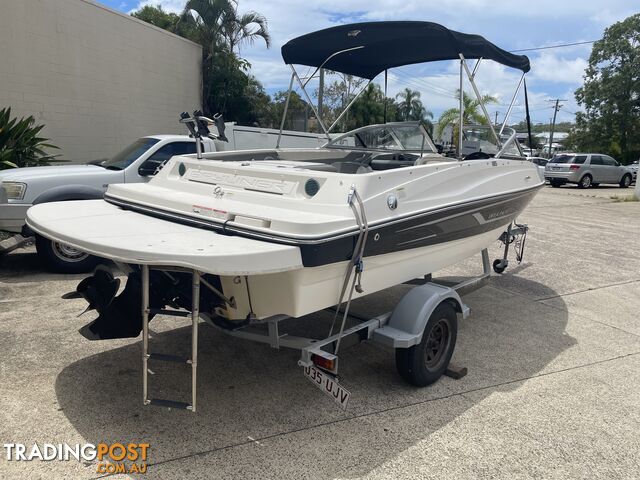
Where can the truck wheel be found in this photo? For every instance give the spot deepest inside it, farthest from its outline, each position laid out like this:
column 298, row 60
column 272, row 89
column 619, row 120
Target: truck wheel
column 626, row 181
column 62, row 258
column 423, row 364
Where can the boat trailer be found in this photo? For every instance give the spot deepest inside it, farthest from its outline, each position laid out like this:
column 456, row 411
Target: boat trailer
column 400, row 329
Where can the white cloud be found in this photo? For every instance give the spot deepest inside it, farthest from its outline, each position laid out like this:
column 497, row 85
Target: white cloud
column 512, row 25
column 552, row 66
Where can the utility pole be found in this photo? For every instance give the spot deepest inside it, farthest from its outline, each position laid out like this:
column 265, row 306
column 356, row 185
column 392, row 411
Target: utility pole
column 496, row 120
column 320, row 93
column 553, row 125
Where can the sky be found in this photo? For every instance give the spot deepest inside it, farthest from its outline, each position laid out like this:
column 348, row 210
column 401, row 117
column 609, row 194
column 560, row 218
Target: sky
column 510, row 24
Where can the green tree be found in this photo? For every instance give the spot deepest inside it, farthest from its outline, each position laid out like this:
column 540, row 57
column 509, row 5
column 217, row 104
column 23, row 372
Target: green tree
column 611, row 94
column 410, row 107
column 472, row 113
column 221, row 30
column 368, row 108
column 245, row 29
column 155, row 15
column 297, row 111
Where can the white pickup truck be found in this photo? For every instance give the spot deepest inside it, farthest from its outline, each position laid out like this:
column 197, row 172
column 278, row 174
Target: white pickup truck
column 21, row 188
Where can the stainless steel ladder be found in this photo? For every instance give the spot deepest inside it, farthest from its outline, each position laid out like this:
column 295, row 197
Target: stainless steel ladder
column 146, row 356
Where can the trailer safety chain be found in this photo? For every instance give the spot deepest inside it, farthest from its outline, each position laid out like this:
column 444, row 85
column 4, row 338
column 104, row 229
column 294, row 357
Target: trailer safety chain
column 355, row 262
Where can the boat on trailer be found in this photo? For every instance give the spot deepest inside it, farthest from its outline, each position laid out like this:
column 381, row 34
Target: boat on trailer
column 245, row 239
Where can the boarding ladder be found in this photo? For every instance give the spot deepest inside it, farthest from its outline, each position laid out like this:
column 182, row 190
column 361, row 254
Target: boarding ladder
column 146, row 355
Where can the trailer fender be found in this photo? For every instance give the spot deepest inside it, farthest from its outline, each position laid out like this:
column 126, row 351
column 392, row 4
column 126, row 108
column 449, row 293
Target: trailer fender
column 410, row 316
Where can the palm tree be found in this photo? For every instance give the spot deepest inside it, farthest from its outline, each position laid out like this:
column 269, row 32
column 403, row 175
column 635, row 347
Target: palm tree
column 410, row 107
column 218, row 25
column 245, row 29
column 208, row 18
column 219, row 28
column 471, row 115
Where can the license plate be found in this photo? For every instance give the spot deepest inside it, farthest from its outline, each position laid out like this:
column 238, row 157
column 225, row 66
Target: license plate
column 329, row 385
column 555, row 168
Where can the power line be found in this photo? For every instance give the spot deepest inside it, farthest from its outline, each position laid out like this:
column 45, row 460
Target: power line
column 553, row 46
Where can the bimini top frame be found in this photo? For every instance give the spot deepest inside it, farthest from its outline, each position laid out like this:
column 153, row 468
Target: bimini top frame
column 367, row 49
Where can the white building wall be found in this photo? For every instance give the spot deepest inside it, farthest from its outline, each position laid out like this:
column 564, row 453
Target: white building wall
column 96, row 78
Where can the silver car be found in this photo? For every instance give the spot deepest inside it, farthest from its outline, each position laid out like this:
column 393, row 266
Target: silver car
column 586, row 170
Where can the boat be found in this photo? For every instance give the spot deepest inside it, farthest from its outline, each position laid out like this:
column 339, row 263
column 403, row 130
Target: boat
column 287, row 232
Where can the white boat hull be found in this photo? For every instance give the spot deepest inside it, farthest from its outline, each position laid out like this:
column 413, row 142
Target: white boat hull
column 306, row 290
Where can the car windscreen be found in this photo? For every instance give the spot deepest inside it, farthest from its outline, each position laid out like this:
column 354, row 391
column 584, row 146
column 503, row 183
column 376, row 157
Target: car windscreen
column 127, row 156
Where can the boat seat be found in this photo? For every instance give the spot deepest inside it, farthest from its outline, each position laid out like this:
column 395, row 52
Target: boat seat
column 351, row 167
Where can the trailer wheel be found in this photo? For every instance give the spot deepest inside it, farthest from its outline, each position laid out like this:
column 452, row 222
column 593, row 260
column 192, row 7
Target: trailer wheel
column 423, row 364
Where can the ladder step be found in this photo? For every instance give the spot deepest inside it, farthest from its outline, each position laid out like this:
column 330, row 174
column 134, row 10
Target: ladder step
column 170, row 404
column 168, row 358
column 173, row 313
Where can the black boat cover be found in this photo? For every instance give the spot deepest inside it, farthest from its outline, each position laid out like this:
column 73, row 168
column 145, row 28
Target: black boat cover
column 385, row 45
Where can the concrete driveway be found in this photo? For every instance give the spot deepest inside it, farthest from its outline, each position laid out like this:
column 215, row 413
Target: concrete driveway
column 553, row 390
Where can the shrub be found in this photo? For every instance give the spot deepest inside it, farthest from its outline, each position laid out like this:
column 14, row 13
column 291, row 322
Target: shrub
column 20, row 145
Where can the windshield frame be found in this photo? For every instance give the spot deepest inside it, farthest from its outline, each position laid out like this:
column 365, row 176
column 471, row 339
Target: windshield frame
column 428, row 147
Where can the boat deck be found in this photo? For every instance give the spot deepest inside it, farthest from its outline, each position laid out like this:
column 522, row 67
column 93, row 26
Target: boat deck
column 107, row 231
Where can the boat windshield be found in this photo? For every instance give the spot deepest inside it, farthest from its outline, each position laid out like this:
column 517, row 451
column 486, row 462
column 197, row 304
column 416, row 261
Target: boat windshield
column 479, row 138
column 388, row 137
column 126, row 157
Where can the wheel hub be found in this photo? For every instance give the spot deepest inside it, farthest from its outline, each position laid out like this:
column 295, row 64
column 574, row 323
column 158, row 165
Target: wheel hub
column 436, row 344
column 67, row 253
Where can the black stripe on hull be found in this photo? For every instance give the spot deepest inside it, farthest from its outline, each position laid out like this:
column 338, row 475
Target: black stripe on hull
column 425, row 229
column 439, row 227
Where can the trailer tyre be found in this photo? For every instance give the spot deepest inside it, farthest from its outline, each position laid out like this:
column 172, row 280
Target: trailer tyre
column 424, row 364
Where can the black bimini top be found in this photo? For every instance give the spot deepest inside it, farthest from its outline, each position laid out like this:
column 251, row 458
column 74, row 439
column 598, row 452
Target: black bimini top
column 378, row 46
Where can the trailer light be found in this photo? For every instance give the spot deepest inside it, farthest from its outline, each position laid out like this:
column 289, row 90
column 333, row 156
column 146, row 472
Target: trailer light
column 574, row 167
column 328, row 364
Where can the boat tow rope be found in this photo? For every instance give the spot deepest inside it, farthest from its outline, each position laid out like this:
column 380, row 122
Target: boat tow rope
column 356, row 263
